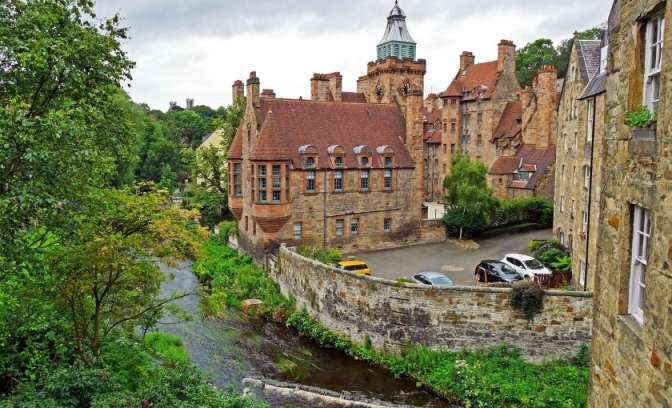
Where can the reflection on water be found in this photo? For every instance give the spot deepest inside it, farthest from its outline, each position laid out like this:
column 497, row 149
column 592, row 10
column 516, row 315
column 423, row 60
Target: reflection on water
column 233, row 348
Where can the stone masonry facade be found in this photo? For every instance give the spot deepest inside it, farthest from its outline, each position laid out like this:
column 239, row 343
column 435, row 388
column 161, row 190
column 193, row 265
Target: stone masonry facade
column 391, row 315
column 579, row 156
column 632, row 334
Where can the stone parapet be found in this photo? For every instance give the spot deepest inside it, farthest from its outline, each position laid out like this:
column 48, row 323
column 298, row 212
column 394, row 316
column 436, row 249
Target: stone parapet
column 392, row 315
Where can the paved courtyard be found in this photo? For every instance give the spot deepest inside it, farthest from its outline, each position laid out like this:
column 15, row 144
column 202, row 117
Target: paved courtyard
column 454, row 262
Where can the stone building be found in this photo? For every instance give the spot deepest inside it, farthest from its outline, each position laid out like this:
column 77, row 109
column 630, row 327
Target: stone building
column 434, row 165
column 577, row 139
column 475, row 100
column 341, row 170
column 632, row 332
column 580, row 154
column 525, row 140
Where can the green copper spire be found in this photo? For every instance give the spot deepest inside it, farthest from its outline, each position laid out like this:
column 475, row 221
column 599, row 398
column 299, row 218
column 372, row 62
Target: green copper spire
column 397, row 41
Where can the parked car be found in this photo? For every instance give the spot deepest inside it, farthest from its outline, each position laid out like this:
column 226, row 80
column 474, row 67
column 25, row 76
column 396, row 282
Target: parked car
column 356, row 266
column 434, row 279
column 490, row 271
column 528, row 267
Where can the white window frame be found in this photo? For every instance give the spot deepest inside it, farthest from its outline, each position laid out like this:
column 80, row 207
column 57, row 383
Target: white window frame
column 641, row 235
column 653, row 43
column 582, row 273
column 338, row 180
column 298, row 231
column 311, row 176
column 591, row 120
column 584, row 222
column 562, row 203
column 587, row 174
column 354, row 226
column 340, row 227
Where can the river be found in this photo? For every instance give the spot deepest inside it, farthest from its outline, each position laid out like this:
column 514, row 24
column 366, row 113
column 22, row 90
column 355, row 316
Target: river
column 236, row 347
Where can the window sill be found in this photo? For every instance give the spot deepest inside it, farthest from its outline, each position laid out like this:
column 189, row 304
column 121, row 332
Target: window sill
column 632, row 326
column 310, row 193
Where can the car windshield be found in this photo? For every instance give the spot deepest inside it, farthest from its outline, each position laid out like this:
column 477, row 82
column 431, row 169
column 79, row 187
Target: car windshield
column 356, row 267
column 505, row 269
column 534, row 264
column 440, row 280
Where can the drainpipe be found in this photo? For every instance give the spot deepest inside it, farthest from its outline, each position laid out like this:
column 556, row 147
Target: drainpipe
column 324, row 209
column 590, row 191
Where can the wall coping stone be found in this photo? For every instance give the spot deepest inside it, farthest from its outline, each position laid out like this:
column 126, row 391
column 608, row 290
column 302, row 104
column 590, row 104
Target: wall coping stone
column 388, row 282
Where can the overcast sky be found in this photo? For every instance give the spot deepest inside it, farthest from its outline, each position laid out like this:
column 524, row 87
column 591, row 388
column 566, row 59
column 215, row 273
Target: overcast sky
column 197, row 48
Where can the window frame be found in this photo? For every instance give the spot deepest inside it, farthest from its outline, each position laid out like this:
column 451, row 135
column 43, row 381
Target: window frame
column 340, row 226
column 640, row 240
column 299, row 230
column 587, row 175
column 237, row 179
column 387, row 224
column 338, row 180
column 276, row 188
column 652, row 75
column 354, row 226
column 591, row 121
column 311, row 177
column 262, row 183
column 364, row 180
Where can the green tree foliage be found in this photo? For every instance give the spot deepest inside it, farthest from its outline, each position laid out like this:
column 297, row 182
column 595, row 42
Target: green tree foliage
column 470, row 205
column 59, row 92
column 543, row 51
column 187, row 127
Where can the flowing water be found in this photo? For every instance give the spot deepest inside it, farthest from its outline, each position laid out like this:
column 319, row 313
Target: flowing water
column 235, row 347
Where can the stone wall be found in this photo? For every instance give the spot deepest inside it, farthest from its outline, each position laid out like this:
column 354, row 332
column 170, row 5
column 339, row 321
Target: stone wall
column 632, row 358
column 391, row 315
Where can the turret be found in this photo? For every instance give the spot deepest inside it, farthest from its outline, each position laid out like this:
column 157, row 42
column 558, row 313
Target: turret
column 253, row 87
column 397, row 41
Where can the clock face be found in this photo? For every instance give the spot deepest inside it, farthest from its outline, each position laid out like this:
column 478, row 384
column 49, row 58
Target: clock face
column 405, row 88
column 380, row 91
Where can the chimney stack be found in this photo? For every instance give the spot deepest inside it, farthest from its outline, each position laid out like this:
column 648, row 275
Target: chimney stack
column 253, row 86
column 506, row 56
column 238, row 90
column 326, row 87
column 467, row 58
column 268, row 93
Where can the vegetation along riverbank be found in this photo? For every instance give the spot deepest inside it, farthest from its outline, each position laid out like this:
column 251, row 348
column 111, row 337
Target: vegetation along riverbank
column 496, row 377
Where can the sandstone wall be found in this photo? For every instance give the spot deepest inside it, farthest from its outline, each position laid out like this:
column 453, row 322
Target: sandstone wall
column 391, row 315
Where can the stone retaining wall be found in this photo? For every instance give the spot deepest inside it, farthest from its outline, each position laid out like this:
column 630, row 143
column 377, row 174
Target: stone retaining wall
column 392, row 315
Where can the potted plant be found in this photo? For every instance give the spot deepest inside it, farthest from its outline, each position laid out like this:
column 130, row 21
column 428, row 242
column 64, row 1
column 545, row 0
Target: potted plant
column 643, row 122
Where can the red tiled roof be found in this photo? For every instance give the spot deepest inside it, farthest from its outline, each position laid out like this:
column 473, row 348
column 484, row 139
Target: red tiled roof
column 509, row 124
column 477, row 78
column 236, row 148
column 353, row 97
column 527, row 159
column 296, row 123
column 270, row 145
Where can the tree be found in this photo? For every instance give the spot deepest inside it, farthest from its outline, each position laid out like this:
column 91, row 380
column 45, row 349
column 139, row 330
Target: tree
column 59, row 126
column 469, row 201
column 538, row 53
column 531, row 58
column 210, row 192
column 107, row 277
column 187, row 127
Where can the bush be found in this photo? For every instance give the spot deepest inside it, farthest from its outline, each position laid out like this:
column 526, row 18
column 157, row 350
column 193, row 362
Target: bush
column 168, row 347
column 327, row 256
column 226, row 229
column 527, row 298
column 640, row 118
column 234, row 277
column 535, row 210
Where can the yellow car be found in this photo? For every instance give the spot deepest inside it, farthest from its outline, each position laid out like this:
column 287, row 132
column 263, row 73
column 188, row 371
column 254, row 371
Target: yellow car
column 356, row 266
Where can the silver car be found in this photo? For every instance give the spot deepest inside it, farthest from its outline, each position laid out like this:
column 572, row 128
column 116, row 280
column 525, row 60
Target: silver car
column 434, row 279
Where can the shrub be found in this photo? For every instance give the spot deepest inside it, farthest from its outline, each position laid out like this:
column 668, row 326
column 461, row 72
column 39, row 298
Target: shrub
column 327, row 256
column 551, row 256
column 640, row 118
column 534, row 245
column 528, row 298
column 226, row 229
column 535, row 210
column 169, row 347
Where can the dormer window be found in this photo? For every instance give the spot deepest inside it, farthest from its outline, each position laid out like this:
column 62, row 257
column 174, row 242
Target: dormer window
column 338, row 162
column 522, row 175
column 310, row 162
column 388, row 161
column 365, row 162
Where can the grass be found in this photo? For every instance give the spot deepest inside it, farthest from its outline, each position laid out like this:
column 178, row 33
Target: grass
column 494, row 377
column 168, row 347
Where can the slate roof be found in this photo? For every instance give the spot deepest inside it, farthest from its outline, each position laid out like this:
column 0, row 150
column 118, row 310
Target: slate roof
column 290, row 124
column 509, row 124
column 589, row 58
column 476, row 78
column 596, row 86
column 396, row 29
column 528, row 158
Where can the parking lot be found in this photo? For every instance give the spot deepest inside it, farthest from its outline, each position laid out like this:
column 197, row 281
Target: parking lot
column 456, row 263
